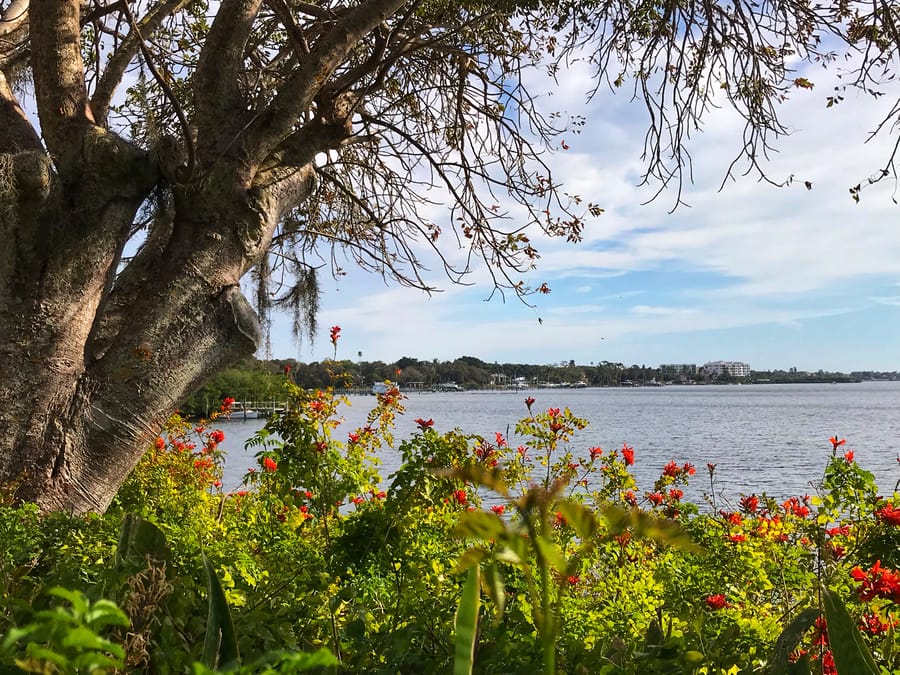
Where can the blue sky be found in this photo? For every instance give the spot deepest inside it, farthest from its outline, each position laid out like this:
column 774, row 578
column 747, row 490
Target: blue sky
column 777, row 277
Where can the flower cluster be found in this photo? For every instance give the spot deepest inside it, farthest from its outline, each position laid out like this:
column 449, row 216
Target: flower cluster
column 877, row 582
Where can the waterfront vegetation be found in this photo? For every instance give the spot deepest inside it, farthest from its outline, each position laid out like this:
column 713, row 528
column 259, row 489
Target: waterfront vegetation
column 259, row 381
column 473, row 556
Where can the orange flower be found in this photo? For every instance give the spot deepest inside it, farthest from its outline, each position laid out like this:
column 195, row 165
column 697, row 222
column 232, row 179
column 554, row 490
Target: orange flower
column 269, row 464
column 836, row 443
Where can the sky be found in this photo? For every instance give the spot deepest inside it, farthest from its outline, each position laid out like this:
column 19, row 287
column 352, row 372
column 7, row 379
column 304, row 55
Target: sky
column 778, row 277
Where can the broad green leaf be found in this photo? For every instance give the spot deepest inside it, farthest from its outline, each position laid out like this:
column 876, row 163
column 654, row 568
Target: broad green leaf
column 489, row 478
column 851, row 655
column 220, row 646
column 790, row 638
column 466, row 624
column 495, row 586
column 801, row 667
column 471, row 558
column 138, row 539
column 643, row 524
column 580, row 517
column 552, row 553
column 480, row 525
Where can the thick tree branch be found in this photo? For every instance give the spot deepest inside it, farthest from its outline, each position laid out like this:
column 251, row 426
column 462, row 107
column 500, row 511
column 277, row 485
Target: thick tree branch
column 13, row 19
column 217, row 98
column 58, row 72
column 298, row 93
column 18, row 134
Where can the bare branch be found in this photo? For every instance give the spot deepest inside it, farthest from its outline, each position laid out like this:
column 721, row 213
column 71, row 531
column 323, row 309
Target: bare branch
column 128, row 49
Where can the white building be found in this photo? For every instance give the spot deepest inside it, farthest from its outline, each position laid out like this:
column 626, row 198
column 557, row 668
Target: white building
column 676, row 369
column 732, row 368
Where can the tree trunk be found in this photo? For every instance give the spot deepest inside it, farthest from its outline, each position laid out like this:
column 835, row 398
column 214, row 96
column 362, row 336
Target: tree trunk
column 90, row 368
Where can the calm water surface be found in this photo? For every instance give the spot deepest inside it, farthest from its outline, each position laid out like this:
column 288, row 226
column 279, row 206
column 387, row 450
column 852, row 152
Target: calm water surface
column 762, row 438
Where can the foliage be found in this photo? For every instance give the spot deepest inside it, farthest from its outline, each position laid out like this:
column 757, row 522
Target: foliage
column 568, row 567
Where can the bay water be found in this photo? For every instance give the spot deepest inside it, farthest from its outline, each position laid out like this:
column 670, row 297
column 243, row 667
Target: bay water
column 762, row 438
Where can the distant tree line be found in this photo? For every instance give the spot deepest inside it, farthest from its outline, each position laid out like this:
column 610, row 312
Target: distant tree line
column 259, row 382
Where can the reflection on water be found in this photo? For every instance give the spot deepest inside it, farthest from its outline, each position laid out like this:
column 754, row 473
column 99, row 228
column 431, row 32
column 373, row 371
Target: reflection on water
column 762, row 438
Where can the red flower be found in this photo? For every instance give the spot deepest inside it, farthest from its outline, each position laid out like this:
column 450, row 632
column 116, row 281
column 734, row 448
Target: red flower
column 461, row 496
column 675, row 494
column 353, row 437
column 160, row 443
column 522, row 450
column 750, row 503
column 425, row 424
column 287, row 368
column 595, row 452
column 335, row 335
column 560, row 520
column 573, row 579
column 357, row 500
column 837, row 552
column 793, row 505
column 553, row 412
column 269, row 464
column 736, row 538
column 848, row 456
column 627, row 454
column 671, row 469
column 380, row 494
column 655, row 498
column 530, row 402
column 227, row 402
column 688, row 469
column 717, row 601
column 501, row 442
column 877, row 583
column 843, row 530
column 888, row 514
column 835, row 443
column 873, row 625
column 733, row 518
column 217, row 436
column 820, row 634
column 629, row 498
column 498, row 509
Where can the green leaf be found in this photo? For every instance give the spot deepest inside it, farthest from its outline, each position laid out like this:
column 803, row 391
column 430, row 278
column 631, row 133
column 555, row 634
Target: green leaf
column 220, row 646
column 489, row 478
column 140, row 539
column 552, row 553
column 643, row 524
column 480, row 525
column 466, row 624
column 495, row 586
column 790, row 638
column 580, row 517
column 851, row 655
column 801, row 667
column 471, row 558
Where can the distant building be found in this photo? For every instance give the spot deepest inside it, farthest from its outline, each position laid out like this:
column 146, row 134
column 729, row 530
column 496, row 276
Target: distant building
column 678, row 369
column 732, row 368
